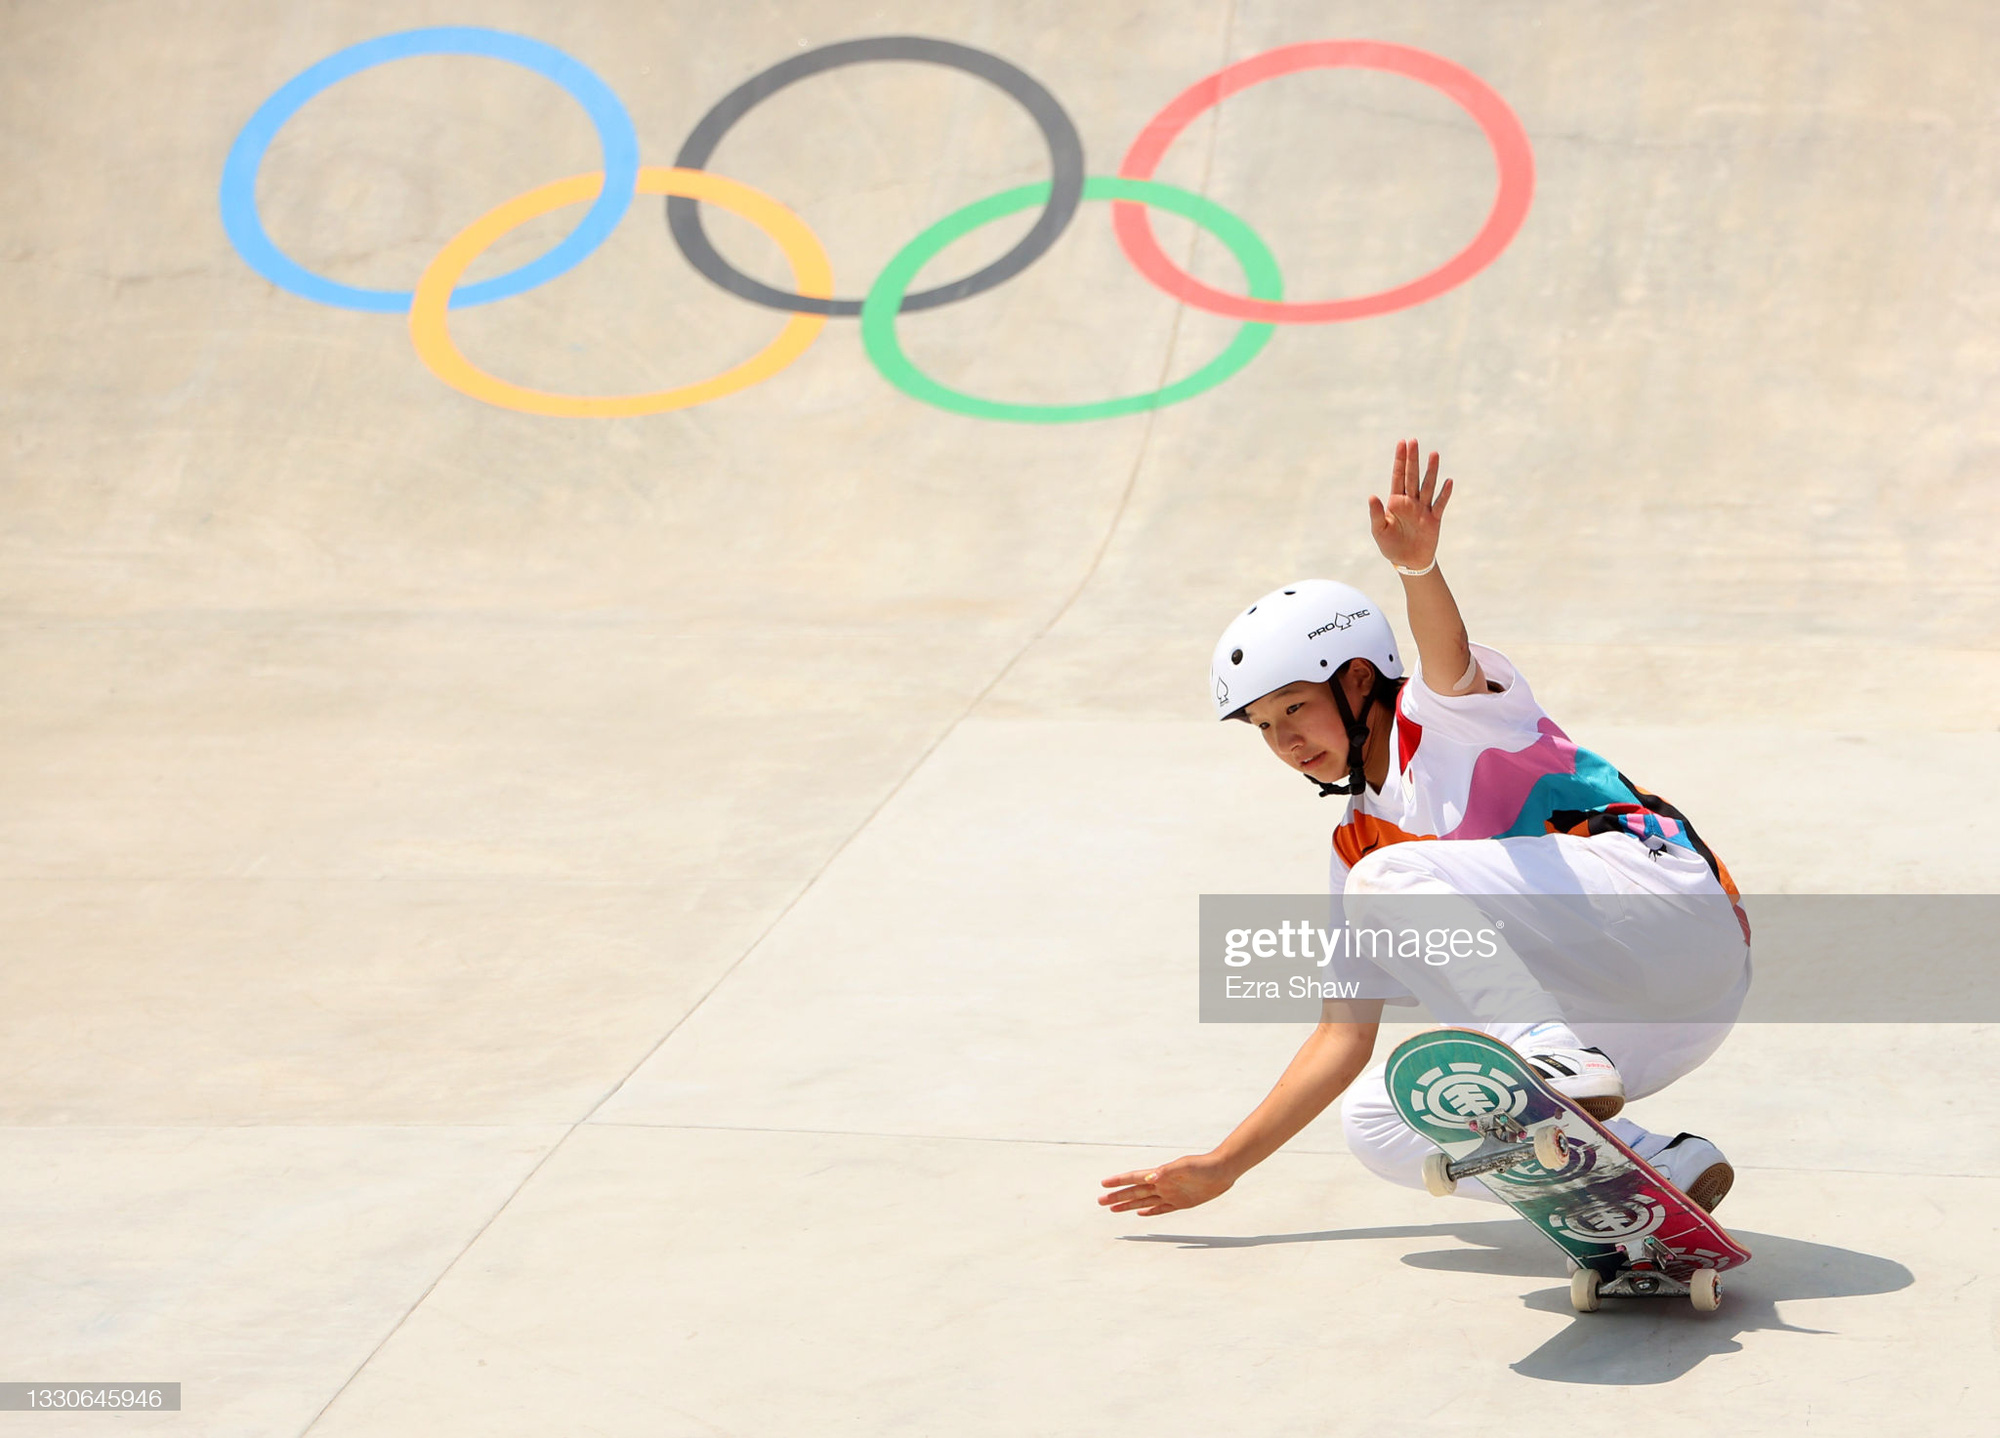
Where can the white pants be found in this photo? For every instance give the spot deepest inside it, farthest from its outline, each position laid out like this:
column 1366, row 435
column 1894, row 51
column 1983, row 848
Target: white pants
column 1674, row 948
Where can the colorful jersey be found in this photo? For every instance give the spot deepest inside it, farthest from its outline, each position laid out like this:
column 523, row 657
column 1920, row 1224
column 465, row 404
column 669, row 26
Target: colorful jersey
column 1494, row 765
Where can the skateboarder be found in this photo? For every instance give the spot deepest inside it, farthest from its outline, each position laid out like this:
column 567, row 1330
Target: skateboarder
column 1462, row 791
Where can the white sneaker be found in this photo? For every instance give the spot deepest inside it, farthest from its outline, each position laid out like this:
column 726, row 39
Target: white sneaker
column 1586, row 1077
column 1697, row 1168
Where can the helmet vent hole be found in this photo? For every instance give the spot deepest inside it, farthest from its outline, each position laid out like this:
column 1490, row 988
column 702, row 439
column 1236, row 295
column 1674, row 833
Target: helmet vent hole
column 1291, row 591
column 1236, row 656
column 1322, row 664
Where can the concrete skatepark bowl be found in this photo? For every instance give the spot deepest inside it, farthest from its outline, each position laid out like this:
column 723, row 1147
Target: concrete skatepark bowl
column 606, row 770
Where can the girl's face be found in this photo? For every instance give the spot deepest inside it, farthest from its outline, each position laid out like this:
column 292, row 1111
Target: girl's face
column 1303, row 728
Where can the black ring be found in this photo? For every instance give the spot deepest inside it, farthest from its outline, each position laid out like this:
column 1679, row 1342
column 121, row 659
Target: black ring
column 1065, row 166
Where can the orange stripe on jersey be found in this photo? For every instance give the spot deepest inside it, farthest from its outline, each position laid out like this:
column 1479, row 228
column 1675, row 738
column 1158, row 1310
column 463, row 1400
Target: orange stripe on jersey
column 1363, row 834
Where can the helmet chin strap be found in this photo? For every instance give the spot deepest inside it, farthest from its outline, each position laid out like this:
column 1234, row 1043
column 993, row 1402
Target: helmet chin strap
column 1357, row 738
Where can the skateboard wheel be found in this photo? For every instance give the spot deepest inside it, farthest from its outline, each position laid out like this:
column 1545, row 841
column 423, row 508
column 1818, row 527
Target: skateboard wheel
column 1583, row 1290
column 1437, row 1175
column 1551, row 1148
column 1705, row 1290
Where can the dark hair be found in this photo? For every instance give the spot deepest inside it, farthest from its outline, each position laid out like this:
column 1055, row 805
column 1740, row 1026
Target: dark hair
column 1383, row 692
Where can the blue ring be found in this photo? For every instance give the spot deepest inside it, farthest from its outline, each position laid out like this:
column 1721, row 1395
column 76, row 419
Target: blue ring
column 614, row 132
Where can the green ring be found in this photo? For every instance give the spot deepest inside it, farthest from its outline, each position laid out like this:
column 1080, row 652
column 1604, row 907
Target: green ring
column 885, row 299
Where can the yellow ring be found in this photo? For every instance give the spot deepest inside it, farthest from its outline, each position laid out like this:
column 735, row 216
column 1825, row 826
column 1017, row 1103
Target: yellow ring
column 812, row 274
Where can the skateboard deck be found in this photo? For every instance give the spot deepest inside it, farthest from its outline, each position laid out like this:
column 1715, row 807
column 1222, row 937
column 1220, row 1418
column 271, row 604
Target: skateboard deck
column 1628, row 1231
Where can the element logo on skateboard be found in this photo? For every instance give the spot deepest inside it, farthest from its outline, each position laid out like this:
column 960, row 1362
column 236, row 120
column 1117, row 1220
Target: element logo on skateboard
column 1612, row 1223
column 1452, row 1095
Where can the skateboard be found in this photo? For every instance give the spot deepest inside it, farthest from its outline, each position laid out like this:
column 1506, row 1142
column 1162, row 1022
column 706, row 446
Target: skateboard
column 1627, row 1232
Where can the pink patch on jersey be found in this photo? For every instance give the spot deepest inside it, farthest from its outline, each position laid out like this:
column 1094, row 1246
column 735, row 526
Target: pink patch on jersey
column 1501, row 780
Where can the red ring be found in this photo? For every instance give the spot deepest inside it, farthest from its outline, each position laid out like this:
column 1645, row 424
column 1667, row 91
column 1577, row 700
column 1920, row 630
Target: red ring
column 1503, row 132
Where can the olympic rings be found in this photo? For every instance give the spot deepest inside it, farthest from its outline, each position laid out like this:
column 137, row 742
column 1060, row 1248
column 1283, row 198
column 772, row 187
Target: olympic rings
column 1503, row 132
column 878, row 315
column 429, row 329
column 614, row 133
column 611, row 190
column 1065, row 165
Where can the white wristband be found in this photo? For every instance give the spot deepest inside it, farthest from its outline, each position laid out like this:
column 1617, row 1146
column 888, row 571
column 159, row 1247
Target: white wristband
column 1419, row 573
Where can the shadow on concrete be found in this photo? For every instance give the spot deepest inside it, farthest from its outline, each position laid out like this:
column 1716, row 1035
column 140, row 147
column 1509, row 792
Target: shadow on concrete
column 1628, row 1341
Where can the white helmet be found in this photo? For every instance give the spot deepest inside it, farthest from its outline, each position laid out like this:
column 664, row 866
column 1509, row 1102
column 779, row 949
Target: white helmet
column 1306, row 630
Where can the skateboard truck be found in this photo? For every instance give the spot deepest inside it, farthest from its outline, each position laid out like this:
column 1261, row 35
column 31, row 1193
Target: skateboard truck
column 1503, row 1142
column 1643, row 1275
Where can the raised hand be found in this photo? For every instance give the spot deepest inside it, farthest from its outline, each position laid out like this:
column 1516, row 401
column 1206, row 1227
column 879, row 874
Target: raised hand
column 1406, row 524
column 1182, row 1183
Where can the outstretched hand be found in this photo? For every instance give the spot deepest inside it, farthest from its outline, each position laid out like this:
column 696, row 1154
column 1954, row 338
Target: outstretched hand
column 1182, row 1183
column 1406, row 524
